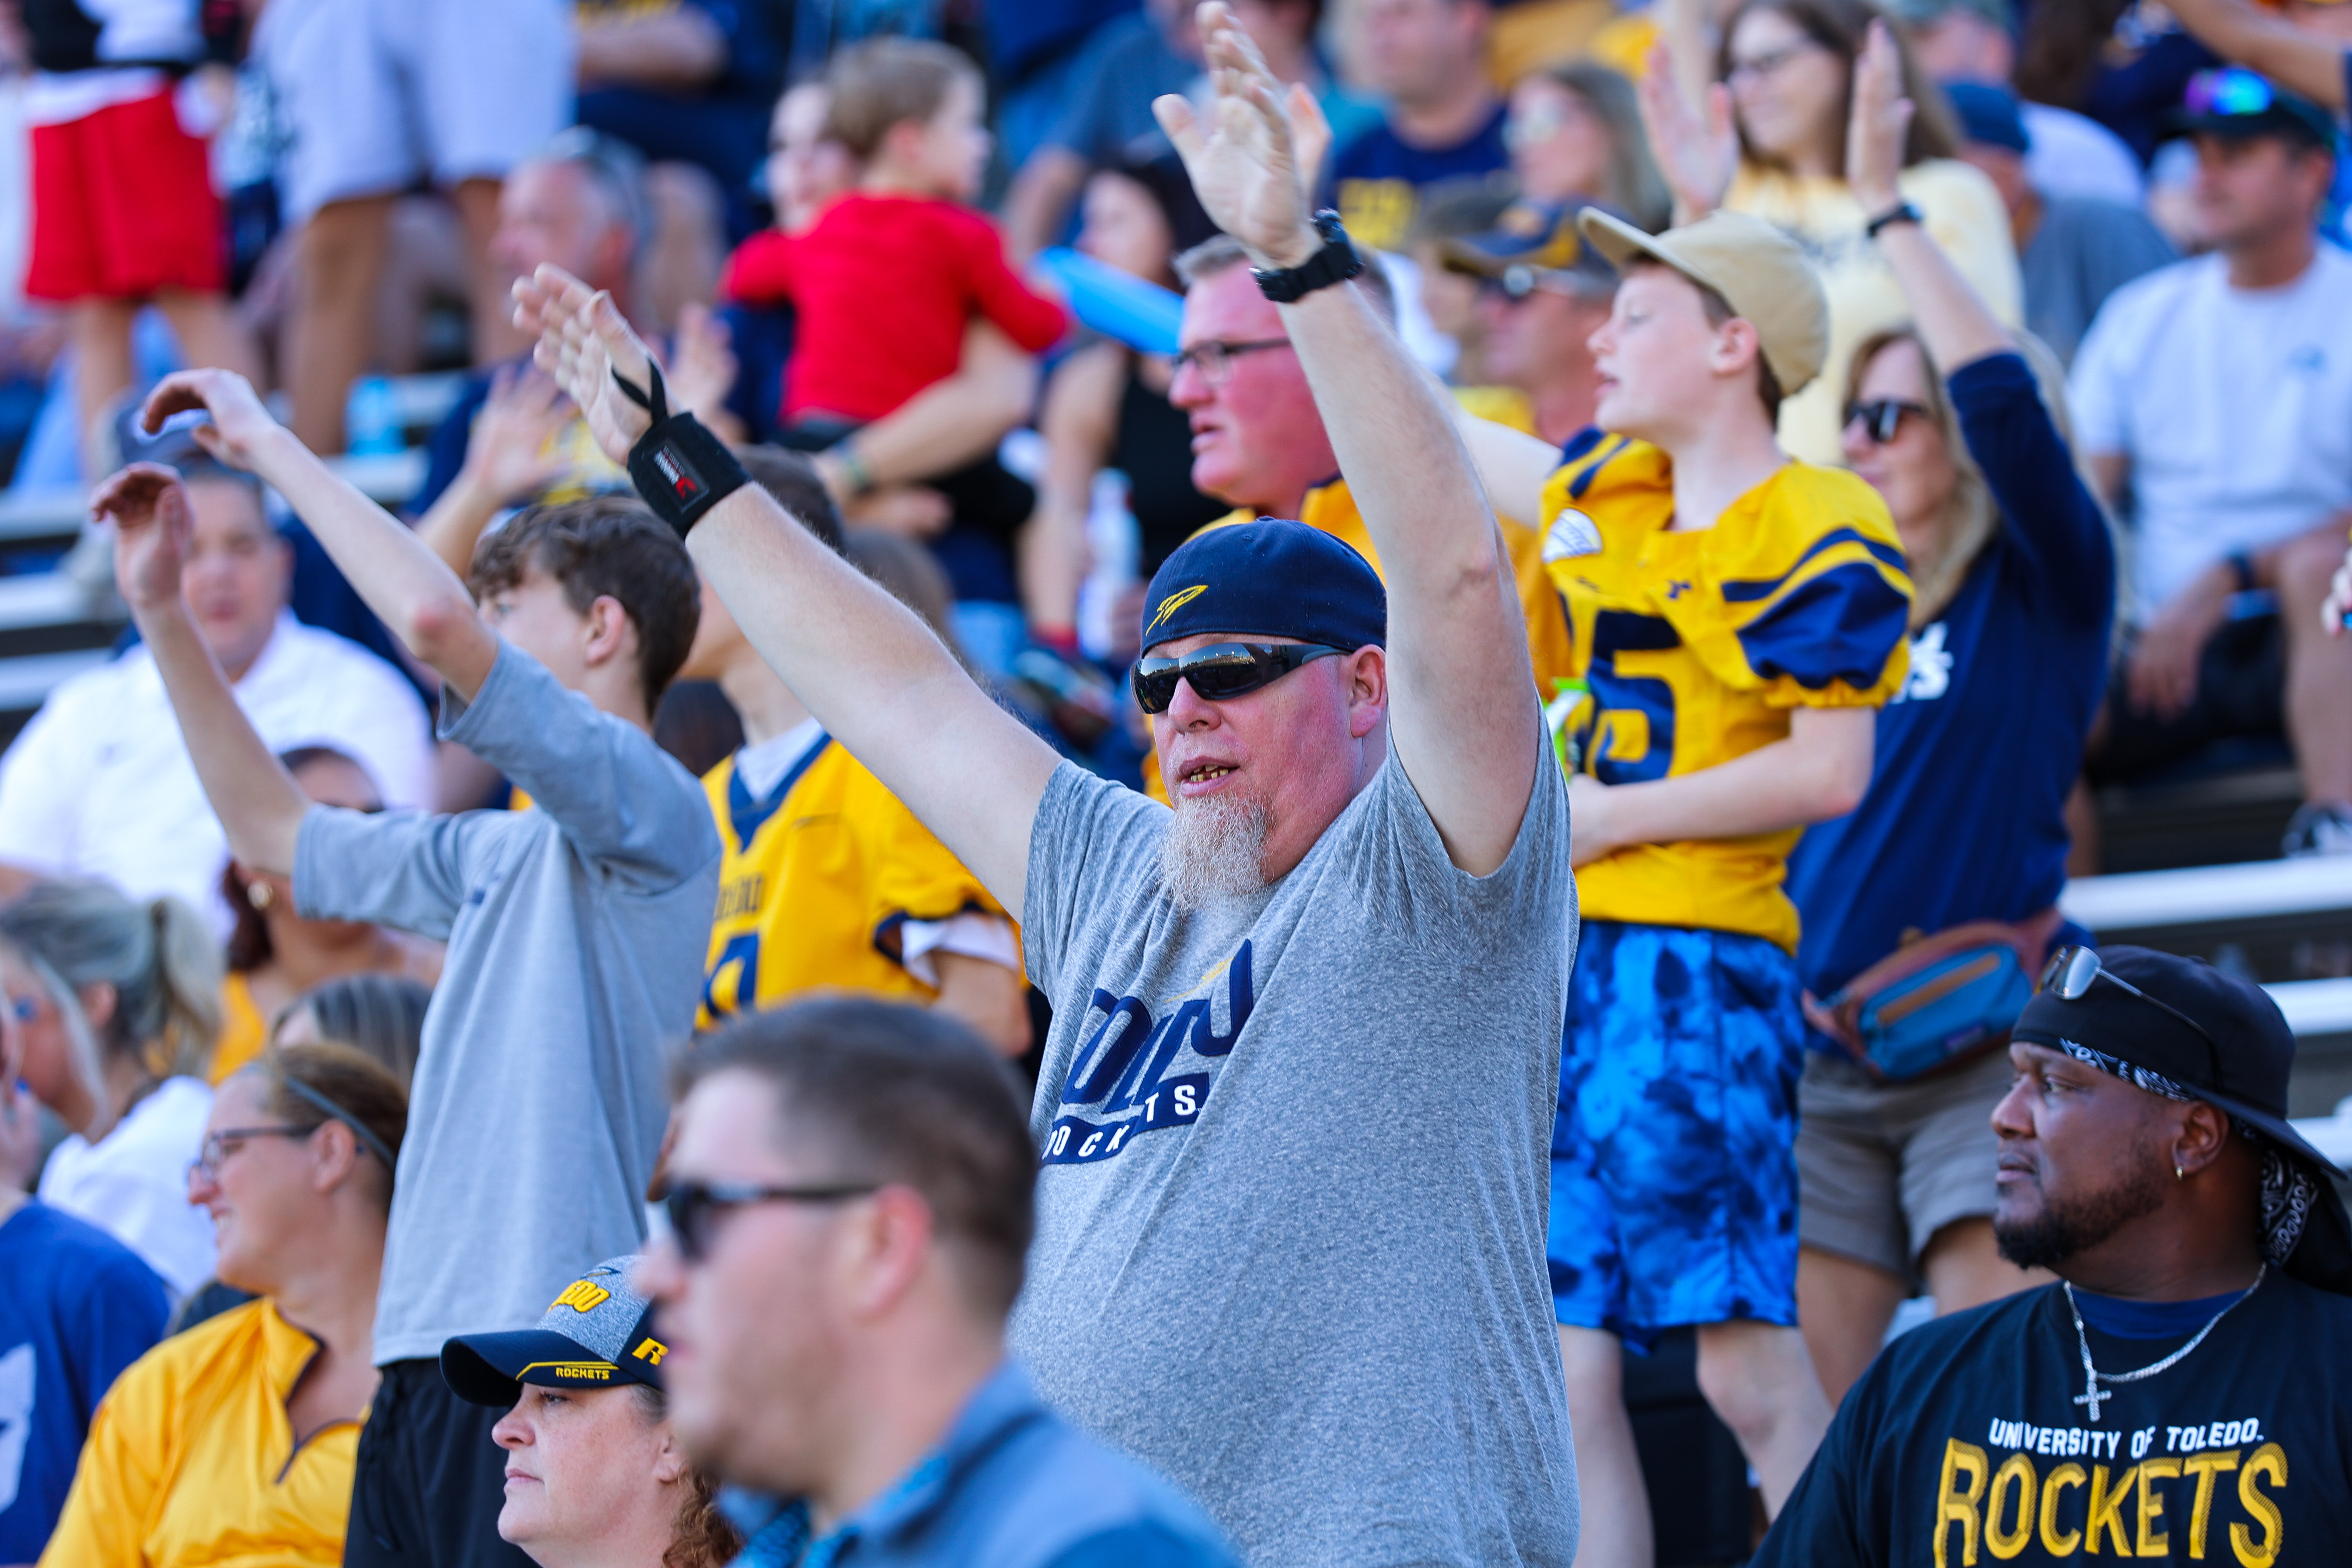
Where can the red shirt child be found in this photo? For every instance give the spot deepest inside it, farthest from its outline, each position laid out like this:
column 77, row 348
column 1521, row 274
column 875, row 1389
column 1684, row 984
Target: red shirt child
column 888, row 277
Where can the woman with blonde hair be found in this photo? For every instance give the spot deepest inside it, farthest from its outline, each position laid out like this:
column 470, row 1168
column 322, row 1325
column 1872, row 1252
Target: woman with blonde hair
column 235, row 1441
column 120, row 1003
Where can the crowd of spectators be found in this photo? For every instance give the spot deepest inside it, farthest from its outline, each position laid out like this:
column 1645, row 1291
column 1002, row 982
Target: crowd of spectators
column 910, row 515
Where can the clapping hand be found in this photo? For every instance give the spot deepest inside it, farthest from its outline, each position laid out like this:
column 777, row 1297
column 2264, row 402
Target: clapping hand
column 702, row 364
column 510, row 453
column 1697, row 153
column 1247, row 163
column 149, row 507
column 582, row 342
column 1881, row 119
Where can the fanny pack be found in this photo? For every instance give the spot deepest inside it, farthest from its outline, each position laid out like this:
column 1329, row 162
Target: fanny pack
column 1937, row 1001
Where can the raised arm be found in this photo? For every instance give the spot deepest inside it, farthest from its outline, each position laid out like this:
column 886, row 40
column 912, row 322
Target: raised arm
column 410, row 589
column 257, row 800
column 2295, row 57
column 1955, row 323
column 1462, row 715
column 1513, row 466
column 865, row 666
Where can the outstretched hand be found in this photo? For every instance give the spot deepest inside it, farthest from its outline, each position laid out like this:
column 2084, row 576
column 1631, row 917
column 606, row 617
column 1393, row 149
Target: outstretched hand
column 235, row 424
column 582, row 340
column 149, row 508
column 512, row 452
column 1881, row 119
column 1245, row 159
column 1696, row 152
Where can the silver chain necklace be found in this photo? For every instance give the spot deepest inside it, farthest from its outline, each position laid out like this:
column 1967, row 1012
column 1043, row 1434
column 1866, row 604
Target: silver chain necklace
column 2093, row 1376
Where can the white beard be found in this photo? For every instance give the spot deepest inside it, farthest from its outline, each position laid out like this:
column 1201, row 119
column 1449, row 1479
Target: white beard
column 1214, row 852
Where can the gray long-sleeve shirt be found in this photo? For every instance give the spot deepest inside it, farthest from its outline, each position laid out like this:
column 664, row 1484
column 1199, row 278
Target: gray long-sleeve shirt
column 576, row 932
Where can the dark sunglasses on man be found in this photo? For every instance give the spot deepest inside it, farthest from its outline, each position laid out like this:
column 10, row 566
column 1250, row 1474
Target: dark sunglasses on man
column 1882, row 418
column 694, row 1209
column 1221, row 670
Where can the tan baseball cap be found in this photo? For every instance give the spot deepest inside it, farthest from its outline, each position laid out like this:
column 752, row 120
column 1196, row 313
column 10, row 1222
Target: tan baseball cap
column 1756, row 268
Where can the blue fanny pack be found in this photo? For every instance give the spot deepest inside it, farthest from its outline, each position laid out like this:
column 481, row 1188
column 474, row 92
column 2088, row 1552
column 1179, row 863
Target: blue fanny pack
column 1939, row 1000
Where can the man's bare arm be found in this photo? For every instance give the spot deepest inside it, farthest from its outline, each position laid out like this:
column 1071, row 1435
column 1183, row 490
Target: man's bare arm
column 259, row 805
column 1513, row 466
column 2295, row 57
column 1462, row 713
column 865, row 666
column 412, row 590
column 681, row 49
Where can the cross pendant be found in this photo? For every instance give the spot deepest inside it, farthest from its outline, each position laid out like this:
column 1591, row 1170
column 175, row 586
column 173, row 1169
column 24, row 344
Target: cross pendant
column 2092, row 1398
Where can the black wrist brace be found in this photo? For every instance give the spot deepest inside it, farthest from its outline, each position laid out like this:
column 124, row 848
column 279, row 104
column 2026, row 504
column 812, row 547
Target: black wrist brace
column 680, row 468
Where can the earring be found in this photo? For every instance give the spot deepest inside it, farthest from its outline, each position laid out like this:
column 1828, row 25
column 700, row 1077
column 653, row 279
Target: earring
column 260, row 894
column 2177, row 1173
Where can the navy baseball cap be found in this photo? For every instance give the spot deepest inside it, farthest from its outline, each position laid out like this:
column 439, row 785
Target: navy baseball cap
column 2234, row 102
column 596, row 1333
column 1271, row 578
column 1530, row 244
column 2196, row 1032
column 1989, row 114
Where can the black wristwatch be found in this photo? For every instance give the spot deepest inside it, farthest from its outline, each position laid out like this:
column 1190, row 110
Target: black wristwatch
column 1335, row 263
column 1901, row 211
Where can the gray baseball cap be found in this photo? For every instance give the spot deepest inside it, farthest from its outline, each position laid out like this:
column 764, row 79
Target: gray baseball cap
column 596, row 1333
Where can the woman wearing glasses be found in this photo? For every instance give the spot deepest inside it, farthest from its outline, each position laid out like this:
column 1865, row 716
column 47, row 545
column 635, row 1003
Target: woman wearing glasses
column 236, row 1440
column 1961, row 838
column 119, row 1002
column 274, row 955
column 1772, row 142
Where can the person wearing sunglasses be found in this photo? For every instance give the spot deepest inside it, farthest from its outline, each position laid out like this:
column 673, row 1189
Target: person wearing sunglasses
column 2177, row 1392
column 849, row 1206
column 1369, row 956
column 595, row 1476
column 1543, row 291
column 236, row 1440
column 2216, row 395
column 1957, row 424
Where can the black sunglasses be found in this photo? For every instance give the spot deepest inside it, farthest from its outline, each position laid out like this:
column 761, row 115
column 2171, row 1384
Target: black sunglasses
column 1221, row 670
column 1883, row 416
column 2071, row 969
column 693, row 1207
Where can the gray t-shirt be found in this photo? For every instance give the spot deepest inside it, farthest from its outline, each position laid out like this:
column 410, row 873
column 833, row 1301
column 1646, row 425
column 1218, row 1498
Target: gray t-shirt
column 1290, row 1241
column 576, row 934
column 2082, row 251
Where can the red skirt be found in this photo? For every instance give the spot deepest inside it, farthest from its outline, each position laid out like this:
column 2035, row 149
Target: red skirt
column 123, row 206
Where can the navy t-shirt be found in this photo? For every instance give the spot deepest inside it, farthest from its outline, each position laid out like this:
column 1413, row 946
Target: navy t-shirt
column 1964, row 1443
column 76, row 1307
column 1378, row 179
column 1965, row 818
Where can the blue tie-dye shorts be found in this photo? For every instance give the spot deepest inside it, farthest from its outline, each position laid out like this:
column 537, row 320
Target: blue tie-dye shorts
column 1673, row 1173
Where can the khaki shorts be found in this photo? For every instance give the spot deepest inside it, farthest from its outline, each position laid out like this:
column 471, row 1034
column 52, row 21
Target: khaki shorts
column 1881, row 1167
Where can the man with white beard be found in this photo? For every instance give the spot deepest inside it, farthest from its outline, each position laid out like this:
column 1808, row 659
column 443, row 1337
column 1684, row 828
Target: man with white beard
column 1296, row 1108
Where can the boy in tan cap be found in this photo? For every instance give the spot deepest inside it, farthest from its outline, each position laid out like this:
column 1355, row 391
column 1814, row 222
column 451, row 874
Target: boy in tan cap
column 1736, row 616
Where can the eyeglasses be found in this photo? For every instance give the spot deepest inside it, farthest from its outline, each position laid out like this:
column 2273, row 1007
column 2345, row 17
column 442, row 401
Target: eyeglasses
column 1883, row 416
column 693, row 1207
column 1214, row 360
column 2230, row 90
column 2070, row 971
column 1221, row 670
column 218, row 1146
column 1756, row 67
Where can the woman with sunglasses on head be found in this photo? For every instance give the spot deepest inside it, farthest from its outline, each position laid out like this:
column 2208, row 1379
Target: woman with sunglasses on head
column 1961, row 838
column 236, row 1440
column 119, row 1002
column 276, row 955
column 1771, row 142
column 1575, row 132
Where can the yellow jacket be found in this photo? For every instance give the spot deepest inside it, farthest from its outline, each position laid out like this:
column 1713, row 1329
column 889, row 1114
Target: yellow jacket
column 192, row 1458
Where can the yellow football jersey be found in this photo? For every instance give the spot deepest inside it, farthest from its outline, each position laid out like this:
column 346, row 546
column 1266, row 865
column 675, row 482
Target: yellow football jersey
column 817, row 882
column 1696, row 645
column 1331, row 509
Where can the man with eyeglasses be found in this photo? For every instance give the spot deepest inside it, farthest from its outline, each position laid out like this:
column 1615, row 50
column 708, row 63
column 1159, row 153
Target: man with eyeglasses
column 1295, row 1110
column 850, row 1207
column 2178, row 1395
column 2214, row 398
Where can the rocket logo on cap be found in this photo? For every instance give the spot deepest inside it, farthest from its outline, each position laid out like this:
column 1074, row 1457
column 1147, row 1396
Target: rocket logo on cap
column 1173, row 603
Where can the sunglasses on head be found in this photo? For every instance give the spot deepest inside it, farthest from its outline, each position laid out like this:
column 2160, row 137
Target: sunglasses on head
column 1882, row 418
column 1221, row 670
column 2071, row 969
column 695, row 1207
column 2229, row 90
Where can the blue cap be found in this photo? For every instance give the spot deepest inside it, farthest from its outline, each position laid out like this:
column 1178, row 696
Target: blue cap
column 1989, row 114
column 1271, row 578
column 1533, row 241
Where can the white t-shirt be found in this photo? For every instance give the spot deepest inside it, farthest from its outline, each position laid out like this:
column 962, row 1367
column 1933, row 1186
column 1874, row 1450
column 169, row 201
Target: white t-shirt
column 2233, row 405
column 132, row 1183
column 101, row 784
column 2073, row 155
